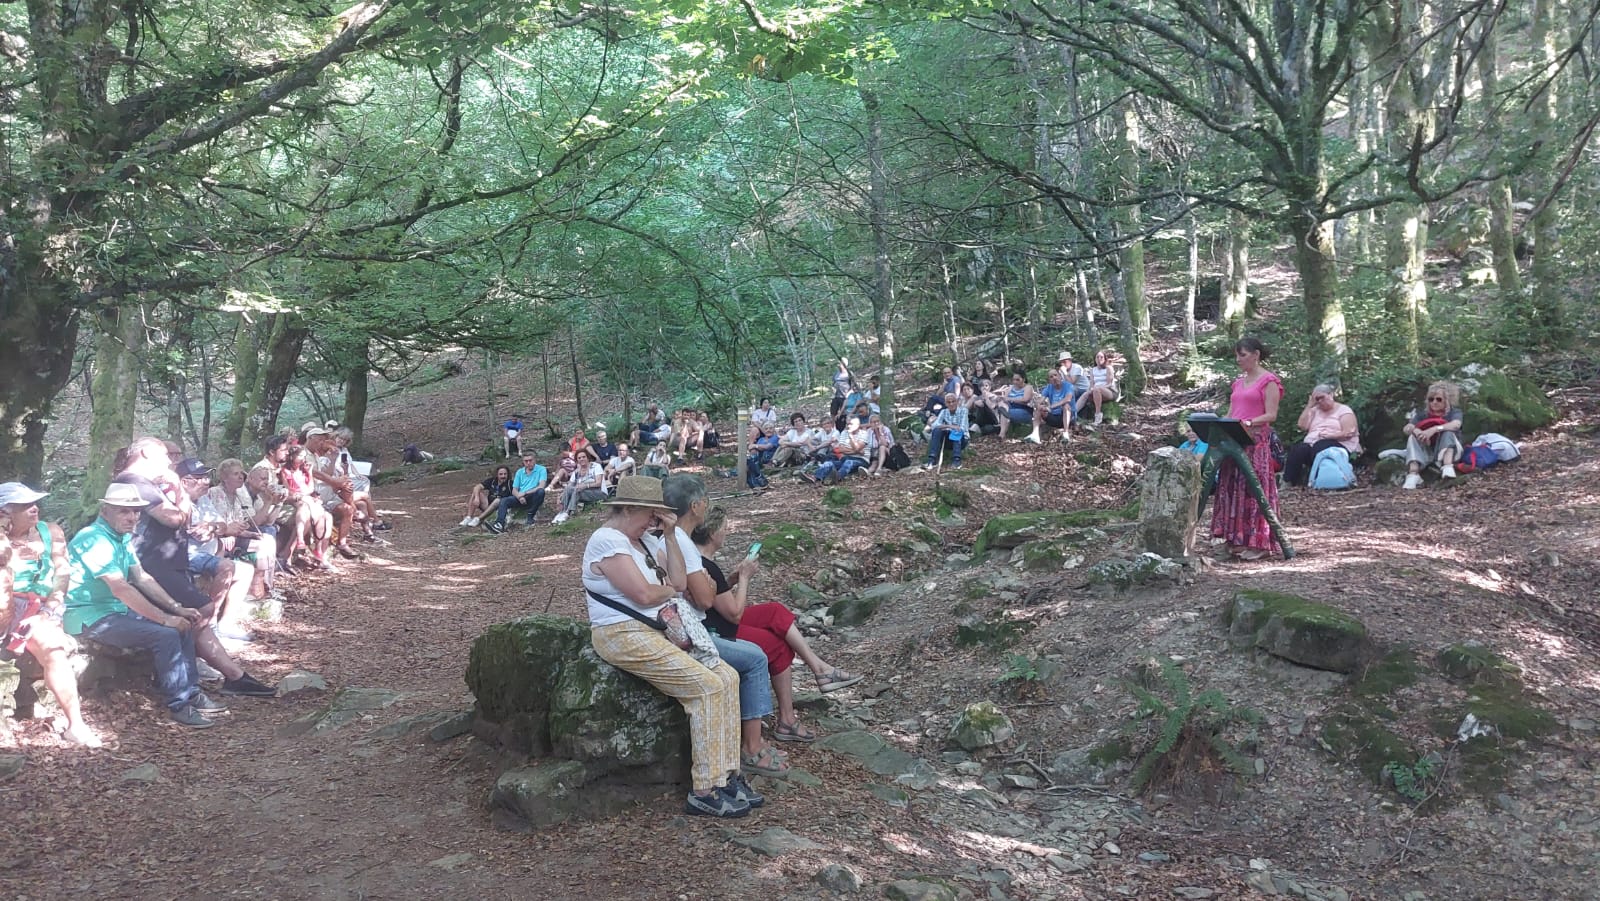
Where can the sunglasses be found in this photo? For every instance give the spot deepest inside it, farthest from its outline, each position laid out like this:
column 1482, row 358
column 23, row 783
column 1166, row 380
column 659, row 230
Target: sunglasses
column 1432, row 399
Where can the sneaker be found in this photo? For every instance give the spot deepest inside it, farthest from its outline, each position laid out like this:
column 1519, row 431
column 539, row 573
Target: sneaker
column 1099, row 418
column 494, row 528
column 188, row 716
column 205, row 704
column 1447, row 471
column 474, row 521
column 957, row 465
column 808, row 477
column 717, row 804
column 382, row 526
column 82, row 736
column 1034, row 439
column 1413, row 481
column 739, row 792
column 208, row 673
column 248, row 686
column 559, row 518
column 467, row 522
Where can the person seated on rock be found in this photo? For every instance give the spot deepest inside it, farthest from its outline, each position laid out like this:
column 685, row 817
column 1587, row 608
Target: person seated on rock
column 161, row 544
column 1022, row 404
column 33, row 599
column 1073, row 376
column 334, row 491
column 312, row 526
column 487, row 495
column 794, row 446
column 224, row 580
column 763, row 420
column 685, row 495
column 1101, row 387
column 770, row 626
column 269, row 500
column 883, row 451
column 765, row 446
column 628, row 577
column 1055, row 406
column 528, row 487
column 344, row 465
column 587, row 486
column 513, row 435
column 849, row 455
column 243, row 532
column 949, row 427
column 658, row 463
column 113, row 601
column 1326, row 423
column 645, row 431
column 950, row 383
column 603, row 449
column 619, row 467
column 1433, row 435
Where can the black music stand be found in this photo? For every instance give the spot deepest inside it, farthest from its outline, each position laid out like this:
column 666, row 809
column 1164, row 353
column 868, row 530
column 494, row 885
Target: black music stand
column 1226, row 439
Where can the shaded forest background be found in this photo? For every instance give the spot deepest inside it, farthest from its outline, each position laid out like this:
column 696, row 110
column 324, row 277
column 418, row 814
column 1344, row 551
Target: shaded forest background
column 208, row 206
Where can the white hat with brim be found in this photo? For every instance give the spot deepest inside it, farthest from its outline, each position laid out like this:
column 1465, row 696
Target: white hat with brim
column 18, row 493
column 1064, row 355
column 123, row 495
column 638, row 491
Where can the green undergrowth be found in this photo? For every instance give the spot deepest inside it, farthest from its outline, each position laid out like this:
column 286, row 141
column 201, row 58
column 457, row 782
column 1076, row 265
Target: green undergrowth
column 786, row 542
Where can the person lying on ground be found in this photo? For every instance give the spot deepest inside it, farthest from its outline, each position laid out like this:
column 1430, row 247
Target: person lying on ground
column 629, row 576
column 645, row 431
column 113, row 601
column 769, row 626
column 587, row 486
column 487, row 495
column 1326, row 423
column 245, row 531
column 685, row 495
column 1102, row 386
column 33, row 599
column 949, row 427
column 620, row 467
column 603, row 449
column 883, row 451
column 849, row 455
column 528, row 486
column 1055, row 407
column 763, row 420
column 513, row 435
column 1433, row 435
column 795, row 445
column 1022, row 403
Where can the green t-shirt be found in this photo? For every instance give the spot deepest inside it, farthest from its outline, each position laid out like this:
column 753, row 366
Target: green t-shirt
column 92, row 553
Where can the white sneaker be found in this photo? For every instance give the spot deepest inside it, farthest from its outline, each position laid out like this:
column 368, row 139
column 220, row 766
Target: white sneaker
column 208, row 673
column 1447, row 471
column 1413, row 481
column 466, row 521
column 476, row 521
column 1099, row 418
column 559, row 518
column 1035, row 439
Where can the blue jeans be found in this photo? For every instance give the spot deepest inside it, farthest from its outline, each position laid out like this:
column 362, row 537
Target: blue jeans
column 936, row 442
column 532, row 501
column 171, row 651
column 840, row 466
column 755, row 683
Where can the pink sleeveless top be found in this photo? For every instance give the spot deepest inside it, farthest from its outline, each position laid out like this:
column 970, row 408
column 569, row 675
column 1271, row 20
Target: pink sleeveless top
column 1248, row 401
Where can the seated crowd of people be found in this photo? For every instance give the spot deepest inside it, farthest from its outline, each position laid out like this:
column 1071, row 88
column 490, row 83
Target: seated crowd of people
column 173, row 565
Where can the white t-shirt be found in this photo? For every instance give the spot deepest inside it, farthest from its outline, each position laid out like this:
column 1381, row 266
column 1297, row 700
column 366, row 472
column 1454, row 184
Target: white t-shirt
column 592, row 474
column 608, row 542
column 622, row 465
column 691, row 561
column 768, row 418
column 797, row 437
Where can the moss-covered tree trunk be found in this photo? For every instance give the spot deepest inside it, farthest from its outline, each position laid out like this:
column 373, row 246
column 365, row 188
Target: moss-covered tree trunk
column 878, row 218
column 246, row 373
column 1317, row 266
column 356, row 392
column 1545, row 302
column 289, row 333
column 1502, row 223
column 1236, row 276
column 1129, row 226
column 113, row 395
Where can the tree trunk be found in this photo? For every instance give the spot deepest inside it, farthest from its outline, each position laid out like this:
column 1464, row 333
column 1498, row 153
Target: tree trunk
column 577, row 374
column 1314, row 260
column 114, row 396
column 1545, row 300
column 1235, row 303
column 1080, row 288
column 1133, row 375
column 1192, row 233
column 1502, row 223
column 1408, row 108
column 246, row 376
column 289, row 335
column 38, row 336
column 878, row 218
column 357, row 388
column 1131, row 256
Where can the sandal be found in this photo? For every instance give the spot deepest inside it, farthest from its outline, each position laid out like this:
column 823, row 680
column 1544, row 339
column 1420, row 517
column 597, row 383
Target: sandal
column 770, row 762
column 792, row 732
column 1251, row 553
column 835, row 679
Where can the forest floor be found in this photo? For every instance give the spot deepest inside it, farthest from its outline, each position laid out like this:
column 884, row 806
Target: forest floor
column 1508, row 558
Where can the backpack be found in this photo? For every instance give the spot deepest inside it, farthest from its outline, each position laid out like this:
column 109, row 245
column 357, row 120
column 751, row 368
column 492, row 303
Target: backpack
column 897, row 459
column 1331, row 470
column 1477, row 457
column 1504, row 447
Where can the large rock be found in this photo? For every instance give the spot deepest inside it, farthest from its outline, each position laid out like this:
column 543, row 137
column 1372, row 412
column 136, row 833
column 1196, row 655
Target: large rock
column 554, row 792
column 1302, row 631
column 1168, row 495
column 1011, row 530
column 980, row 725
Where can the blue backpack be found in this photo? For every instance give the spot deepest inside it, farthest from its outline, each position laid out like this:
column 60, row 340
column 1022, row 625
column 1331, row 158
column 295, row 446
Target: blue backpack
column 1477, row 457
column 1331, row 471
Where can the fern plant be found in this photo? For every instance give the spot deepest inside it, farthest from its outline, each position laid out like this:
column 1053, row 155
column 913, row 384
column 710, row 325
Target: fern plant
column 1183, row 713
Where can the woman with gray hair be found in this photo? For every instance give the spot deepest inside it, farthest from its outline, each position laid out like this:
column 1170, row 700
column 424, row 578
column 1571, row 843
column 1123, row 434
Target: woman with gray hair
column 1327, row 423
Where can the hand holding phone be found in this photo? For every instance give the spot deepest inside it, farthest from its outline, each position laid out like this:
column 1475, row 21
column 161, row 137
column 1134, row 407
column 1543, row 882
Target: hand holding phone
column 755, row 551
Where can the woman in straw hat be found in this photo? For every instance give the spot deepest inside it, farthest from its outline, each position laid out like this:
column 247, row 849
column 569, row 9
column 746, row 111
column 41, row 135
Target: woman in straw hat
column 628, row 575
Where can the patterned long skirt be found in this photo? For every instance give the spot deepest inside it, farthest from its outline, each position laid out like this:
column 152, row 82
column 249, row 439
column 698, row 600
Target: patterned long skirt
column 1235, row 515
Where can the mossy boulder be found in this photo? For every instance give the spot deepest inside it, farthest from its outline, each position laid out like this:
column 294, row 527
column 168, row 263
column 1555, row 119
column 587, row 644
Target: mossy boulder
column 1473, row 662
column 857, row 609
column 980, row 725
column 1011, row 530
column 1299, row 630
column 786, row 542
column 955, row 498
column 838, row 497
column 1123, row 573
column 1056, row 554
column 805, row 597
column 1497, row 401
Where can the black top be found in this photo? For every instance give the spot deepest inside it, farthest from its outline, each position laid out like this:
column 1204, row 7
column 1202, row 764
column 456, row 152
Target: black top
column 715, row 621
column 162, row 550
column 497, row 490
column 606, row 451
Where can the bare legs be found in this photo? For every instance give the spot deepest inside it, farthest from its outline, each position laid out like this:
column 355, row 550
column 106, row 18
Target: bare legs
column 48, row 645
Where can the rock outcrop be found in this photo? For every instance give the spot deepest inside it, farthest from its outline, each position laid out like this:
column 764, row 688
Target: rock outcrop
column 1169, row 493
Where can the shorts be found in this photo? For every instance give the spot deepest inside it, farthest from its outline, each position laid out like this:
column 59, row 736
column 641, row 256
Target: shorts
column 204, row 564
column 1053, row 419
column 1019, row 414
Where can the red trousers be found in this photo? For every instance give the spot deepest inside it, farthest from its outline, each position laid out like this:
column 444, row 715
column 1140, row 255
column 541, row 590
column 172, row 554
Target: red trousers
column 765, row 625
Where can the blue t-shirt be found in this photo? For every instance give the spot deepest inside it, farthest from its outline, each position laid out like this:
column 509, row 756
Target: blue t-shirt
column 524, row 481
column 1055, row 395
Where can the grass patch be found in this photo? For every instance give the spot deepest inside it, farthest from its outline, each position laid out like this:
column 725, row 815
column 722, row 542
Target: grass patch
column 996, row 632
column 1396, row 670
column 787, row 542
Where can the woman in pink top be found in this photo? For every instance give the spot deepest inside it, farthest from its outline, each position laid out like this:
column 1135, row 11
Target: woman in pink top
column 1235, row 515
column 1327, row 423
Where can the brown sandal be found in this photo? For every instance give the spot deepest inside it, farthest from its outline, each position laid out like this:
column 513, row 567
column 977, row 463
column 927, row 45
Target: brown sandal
column 792, row 732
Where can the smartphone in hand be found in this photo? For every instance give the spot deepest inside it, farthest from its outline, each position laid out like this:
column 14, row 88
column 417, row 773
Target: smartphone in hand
column 755, row 551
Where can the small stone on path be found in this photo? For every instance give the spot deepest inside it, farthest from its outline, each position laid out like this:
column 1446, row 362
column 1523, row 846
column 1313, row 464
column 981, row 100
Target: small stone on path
column 855, row 743
column 917, row 890
column 452, row 861
column 11, row 765
column 1017, row 780
column 837, row 877
column 301, row 680
column 1193, row 891
column 1111, row 848
column 1154, row 856
column 455, row 726
column 894, row 797
column 772, row 841
column 144, row 772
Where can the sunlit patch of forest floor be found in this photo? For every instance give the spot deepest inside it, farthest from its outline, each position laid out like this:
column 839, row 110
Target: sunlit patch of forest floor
column 1506, row 558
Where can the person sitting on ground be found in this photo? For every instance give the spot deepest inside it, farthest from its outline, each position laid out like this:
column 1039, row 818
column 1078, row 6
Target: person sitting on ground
column 1075, row 377
column 709, row 438
column 763, row 420
column 645, row 432
column 621, row 466
column 765, row 446
column 949, row 384
column 949, row 427
column 883, row 451
column 603, row 449
column 269, row 499
column 685, row 495
column 862, row 410
column 244, row 531
column 334, row 490
column 873, row 395
column 980, row 409
column 982, row 377
column 513, row 438
column 161, row 544
column 1055, row 406
column 579, row 440
column 566, row 466
column 1327, row 423
column 850, row 454
column 487, row 495
column 225, row 580
column 689, row 433
column 769, row 626
column 1022, row 403
column 658, row 462
column 587, row 486
column 628, row 577
column 823, row 440
column 1102, row 386
column 33, row 599
column 795, row 445
column 1433, row 435
column 528, row 486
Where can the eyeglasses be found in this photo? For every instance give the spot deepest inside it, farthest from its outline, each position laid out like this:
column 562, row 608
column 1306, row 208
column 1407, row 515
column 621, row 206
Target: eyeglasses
column 1432, row 399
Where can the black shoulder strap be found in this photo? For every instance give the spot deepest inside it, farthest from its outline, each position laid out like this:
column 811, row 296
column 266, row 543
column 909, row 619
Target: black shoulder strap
column 620, row 607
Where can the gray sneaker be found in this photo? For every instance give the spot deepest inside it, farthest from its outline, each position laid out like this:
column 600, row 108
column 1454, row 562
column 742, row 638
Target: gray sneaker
column 188, row 716
column 717, row 804
column 740, row 792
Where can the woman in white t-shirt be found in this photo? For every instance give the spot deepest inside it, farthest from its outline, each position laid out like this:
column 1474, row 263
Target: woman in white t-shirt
column 587, row 485
column 763, row 419
column 639, row 573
